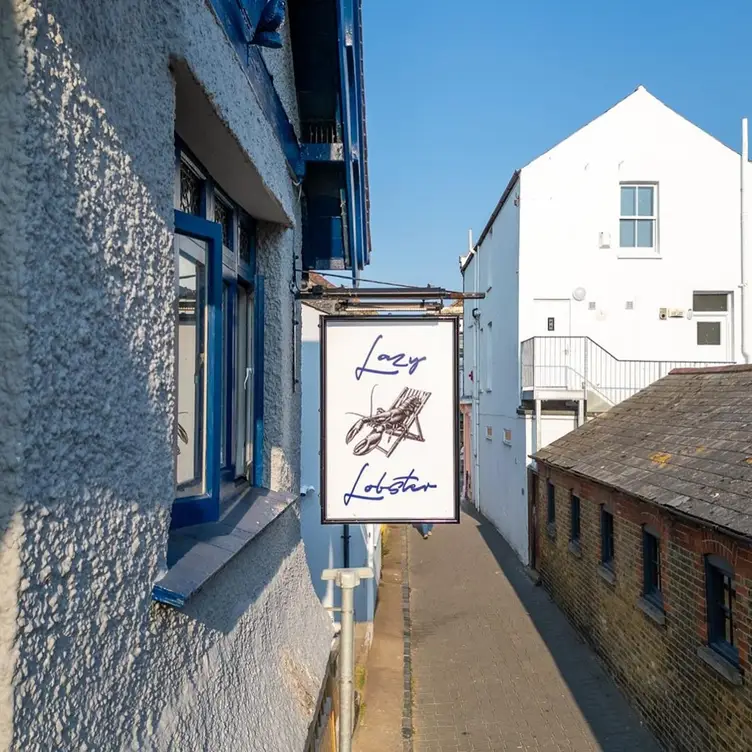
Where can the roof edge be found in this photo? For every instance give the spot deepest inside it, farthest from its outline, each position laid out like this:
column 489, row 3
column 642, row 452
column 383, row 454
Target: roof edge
column 499, row 206
column 727, row 368
column 671, row 510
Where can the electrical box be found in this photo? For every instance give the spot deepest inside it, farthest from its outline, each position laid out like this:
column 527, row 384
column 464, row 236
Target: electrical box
column 604, row 239
column 676, row 313
column 663, row 314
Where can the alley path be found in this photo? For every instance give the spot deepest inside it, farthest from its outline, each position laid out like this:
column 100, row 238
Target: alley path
column 495, row 664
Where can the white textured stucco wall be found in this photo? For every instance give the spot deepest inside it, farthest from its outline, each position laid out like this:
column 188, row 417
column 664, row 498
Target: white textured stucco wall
column 87, row 661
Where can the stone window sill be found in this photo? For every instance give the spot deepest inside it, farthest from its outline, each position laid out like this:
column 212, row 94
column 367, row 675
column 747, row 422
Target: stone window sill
column 196, row 553
column 551, row 530
column 606, row 574
column 653, row 612
column 574, row 549
column 721, row 665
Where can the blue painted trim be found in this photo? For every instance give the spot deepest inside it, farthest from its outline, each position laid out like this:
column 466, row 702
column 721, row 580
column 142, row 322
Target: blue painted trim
column 258, row 382
column 205, row 508
column 168, row 597
column 258, row 75
column 346, row 130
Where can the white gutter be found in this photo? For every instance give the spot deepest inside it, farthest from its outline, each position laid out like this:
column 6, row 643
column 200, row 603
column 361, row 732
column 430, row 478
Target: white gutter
column 743, row 244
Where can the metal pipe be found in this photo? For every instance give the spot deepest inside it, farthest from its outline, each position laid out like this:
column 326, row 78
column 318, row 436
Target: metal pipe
column 476, row 377
column 346, row 670
column 743, row 243
column 348, row 580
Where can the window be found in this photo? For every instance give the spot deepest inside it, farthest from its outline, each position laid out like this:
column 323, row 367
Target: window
column 607, row 539
column 710, row 302
column 708, row 332
column 551, row 517
column 489, row 356
column 574, row 529
column 638, row 217
column 719, row 580
column 219, row 348
column 651, row 567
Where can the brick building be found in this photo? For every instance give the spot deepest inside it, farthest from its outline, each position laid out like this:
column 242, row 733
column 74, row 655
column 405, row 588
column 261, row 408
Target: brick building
column 643, row 521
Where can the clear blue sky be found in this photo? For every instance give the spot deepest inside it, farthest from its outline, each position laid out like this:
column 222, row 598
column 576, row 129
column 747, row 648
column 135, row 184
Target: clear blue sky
column 460, row 94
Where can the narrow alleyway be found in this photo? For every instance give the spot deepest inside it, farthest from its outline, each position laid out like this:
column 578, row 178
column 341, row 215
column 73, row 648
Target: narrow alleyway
column 495, row 664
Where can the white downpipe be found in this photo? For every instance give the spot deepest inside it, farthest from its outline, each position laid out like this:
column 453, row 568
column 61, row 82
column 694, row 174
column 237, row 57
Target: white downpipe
column 743, row 244
column 476, row 380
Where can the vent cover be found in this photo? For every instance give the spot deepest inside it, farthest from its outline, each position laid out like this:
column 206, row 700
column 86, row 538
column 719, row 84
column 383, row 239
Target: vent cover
column 591, row 305
column 630, row 305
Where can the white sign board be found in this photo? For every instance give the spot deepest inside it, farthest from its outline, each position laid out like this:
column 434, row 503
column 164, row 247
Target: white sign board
column 389, row 419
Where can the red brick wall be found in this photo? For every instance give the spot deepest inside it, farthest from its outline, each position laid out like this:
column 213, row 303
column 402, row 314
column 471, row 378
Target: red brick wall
column 688, row 704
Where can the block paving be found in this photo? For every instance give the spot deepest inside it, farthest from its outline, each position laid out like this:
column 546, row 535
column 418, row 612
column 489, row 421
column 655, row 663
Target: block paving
column 495, row 664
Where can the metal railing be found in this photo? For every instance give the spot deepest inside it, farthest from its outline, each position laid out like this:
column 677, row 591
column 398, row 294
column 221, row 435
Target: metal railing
column 572, row 364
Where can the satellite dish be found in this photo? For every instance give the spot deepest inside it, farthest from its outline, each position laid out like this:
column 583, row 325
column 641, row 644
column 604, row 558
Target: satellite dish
column 579, row 294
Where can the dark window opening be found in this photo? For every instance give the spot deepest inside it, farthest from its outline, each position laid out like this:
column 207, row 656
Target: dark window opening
column 574, row 533
column 719, row 579
column 651, row 568
column 551, row 504
column 607, row 539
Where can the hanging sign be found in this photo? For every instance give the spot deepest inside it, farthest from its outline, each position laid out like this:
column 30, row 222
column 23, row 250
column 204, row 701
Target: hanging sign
column 389, row 419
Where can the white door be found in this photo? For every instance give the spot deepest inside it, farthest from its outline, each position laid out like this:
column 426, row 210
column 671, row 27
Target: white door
column 553, row 345
column 711, row 312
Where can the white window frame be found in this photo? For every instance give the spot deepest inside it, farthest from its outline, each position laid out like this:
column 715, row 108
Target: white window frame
column 636, row 251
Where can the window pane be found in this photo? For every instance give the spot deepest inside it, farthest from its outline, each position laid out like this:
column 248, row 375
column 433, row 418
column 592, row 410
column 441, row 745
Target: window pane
column 244, row 383
column 246, row 240
column 223, row 215
column 628, row 201
column 190, row 191
column 703, row 301
column 627, row 233
column 644, row 233
column 190, row 375
column 226, row 387
column 708, row 332
column 645, row 201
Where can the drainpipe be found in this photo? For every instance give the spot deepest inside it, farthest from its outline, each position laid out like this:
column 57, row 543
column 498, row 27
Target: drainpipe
column 476, row 376
column 743, row 248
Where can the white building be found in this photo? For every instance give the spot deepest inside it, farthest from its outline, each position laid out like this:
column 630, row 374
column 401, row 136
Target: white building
column 609, row 260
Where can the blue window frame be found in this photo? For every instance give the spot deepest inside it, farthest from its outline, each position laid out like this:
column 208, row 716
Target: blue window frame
column 651, row 567
column 574, row 526
column 719, row 582
column 220, row 353
column 607, row 539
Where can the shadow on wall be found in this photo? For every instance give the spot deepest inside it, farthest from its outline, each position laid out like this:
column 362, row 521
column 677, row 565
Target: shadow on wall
column 87, row 203
column 595, row 698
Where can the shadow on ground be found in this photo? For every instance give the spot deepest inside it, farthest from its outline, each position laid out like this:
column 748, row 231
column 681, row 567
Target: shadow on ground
column 597, row 696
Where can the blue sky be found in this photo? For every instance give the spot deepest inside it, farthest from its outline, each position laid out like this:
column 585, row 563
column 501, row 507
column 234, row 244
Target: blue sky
column 460, row 94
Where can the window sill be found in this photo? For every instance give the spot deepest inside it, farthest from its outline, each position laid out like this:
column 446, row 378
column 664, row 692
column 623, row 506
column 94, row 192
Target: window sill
column 653, row 612
column 574, row 549
column 721, row 665
column 606, row 574
column 646, row 254
column 195, row 554
column 551, row 530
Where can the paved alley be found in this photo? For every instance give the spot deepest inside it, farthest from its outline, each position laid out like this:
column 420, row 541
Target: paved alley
column 495, row 664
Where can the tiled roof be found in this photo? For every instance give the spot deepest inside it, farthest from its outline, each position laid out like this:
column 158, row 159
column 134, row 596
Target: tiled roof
column 685, row 443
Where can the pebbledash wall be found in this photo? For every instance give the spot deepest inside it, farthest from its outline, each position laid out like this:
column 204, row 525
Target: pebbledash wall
column 89, row 98
column 687, row 703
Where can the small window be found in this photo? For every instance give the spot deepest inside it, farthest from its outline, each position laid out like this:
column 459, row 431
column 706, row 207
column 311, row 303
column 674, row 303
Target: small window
column 551, row 516
column 719, row 580
column 191, row 190
column 638, row 217
column 223, row 216
column 709, row 333
column 607, row 539
column 710, row 302
column 651, row 568
column 574, row 532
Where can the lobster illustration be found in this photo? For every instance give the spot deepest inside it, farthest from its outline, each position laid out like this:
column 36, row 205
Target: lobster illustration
column 395, row 423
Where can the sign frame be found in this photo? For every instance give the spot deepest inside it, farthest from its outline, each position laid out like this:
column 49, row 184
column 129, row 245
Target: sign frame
column 334, row 319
